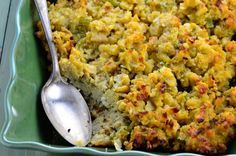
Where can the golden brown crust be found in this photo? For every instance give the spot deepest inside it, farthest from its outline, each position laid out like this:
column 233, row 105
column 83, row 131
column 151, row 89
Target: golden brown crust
column 166, row 65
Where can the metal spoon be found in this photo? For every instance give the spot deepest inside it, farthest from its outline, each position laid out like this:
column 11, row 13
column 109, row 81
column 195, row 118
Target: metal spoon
column 63, row 103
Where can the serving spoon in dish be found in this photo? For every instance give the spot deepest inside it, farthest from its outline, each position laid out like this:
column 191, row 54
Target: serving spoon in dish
column 63, row 103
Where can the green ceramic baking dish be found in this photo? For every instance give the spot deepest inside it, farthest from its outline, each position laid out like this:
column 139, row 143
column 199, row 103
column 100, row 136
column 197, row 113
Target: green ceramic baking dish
column 23, row 71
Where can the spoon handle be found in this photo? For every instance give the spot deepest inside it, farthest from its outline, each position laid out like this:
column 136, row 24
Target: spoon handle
column 42, row 8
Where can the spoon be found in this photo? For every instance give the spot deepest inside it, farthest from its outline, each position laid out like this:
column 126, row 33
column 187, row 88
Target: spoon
column 63, row 103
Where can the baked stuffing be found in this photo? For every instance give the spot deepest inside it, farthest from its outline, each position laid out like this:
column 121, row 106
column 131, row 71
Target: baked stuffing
column 156, row 74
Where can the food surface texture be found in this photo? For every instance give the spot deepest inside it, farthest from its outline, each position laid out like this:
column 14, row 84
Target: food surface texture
column 156, row 74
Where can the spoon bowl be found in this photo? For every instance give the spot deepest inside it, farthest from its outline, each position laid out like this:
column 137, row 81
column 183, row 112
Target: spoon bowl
column 67, row 111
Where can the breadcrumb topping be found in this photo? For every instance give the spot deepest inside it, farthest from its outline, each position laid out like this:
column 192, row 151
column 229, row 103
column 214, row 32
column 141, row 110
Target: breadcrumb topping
column 157, row 74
